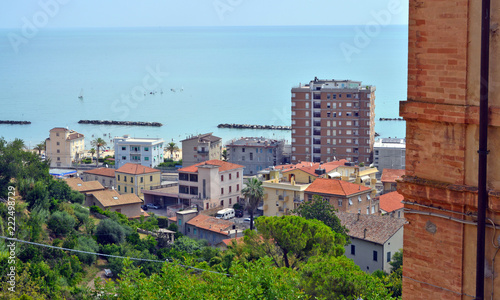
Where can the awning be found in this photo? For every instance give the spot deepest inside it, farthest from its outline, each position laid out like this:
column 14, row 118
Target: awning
column 365, row 178
column 334, row 174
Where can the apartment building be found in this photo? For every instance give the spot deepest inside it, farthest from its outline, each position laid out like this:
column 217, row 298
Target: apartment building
column 134, row 178
column 331, row 120
column 389, row 153
column 210, row 184
column 144, row 151
column 255, row 154
column 200, row 148
column 281, row 196
column 64, row 146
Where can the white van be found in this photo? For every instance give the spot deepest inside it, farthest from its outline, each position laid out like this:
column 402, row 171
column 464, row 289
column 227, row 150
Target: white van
column 225, row 214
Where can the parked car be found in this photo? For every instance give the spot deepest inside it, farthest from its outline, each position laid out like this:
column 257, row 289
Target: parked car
column 153, row 206
column 144, row 207
column 238, row 213
column 108, row 273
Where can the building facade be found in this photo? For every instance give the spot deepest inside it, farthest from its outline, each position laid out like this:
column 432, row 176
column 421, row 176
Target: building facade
column 105, row 176
column 64, row 146
column 200, row 148
column 128, row 204
column 374, row 240
column 281, row 196
column 211, row 184
column 255, row 154
column 389, row 154
column 333, row 119
column 144, row 151
column 442, row 138
column 344, row 196
column 134, row 178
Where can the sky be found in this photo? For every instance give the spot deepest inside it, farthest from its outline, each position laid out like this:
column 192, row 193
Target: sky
column 167, row 13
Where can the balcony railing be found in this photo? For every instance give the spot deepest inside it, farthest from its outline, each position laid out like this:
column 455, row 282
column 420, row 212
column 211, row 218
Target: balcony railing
column 203, row 151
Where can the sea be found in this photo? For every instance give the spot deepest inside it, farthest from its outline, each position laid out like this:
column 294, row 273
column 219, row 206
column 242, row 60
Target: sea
column 190, row 79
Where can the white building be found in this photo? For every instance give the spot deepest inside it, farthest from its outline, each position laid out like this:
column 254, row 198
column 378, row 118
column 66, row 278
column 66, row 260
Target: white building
column 374, row 240
column 389, row 153
column 144, row 151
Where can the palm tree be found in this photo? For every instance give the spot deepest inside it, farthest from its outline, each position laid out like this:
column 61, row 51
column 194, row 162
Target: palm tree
column 40, row 147
column 98, row 143
column 253, row 193
column 171, row 148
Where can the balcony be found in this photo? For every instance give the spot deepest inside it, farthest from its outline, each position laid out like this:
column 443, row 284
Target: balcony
column 317, row 123
column 317, row 105
column 202, row 151
column 317, row 115
column 317, row 142
column 317, row 150
column 317, row 132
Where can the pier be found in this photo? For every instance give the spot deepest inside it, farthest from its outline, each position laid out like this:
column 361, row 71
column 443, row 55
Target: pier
column 248, row 126
column 124, row 123
column 15, row 122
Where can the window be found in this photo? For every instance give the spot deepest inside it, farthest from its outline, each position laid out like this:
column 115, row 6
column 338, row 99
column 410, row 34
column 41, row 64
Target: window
column 328, row 105
column 222, row 178
column 373, row 209
column 307, row 114
column 328, row 114
column 237, row 187
column 131, row 179
column 124, row 157
column 124, row 148
column 179, row 222
column 118, row 188
column 146, row 148
column 375, row 255
column 230, row 201
column 251, row 156
column 229, row 176
column 230, row 190
column 57, row 143
column 353, row 249
column 340, row 202
column 57, row 133
column 237, row 174
column 222, row 191
column 118, row 177
column 132, row 190
column 142, row 179
column 194, row 230
column 307, row 123
column 150, row 178
column 307, row 104
column 146, row 158
column 348, row 95
column 359, row 198
column 125, row 178
column 242, row 149
column 388, row 256
column 58, row 151
column 350, row 201
column 125, row 188
column 368, row 197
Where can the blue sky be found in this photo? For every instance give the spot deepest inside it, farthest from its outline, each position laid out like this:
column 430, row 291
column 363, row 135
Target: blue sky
column 164, row 13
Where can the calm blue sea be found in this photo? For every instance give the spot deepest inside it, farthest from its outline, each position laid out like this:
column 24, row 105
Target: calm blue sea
column 208, row 75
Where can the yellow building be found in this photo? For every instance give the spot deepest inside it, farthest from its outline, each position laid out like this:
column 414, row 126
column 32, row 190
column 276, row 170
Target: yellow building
column 133, row 178
column 282, row 196
column 64, row 146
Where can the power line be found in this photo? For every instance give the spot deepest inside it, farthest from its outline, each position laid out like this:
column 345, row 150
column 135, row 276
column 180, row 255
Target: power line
column 108, row 255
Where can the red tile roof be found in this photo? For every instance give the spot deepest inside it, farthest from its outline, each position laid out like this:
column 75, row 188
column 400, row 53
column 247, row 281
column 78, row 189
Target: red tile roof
column 75, row 135
column 136, row 169
column 102, row 172
column 223, row 166
column 211, row 224
column 335, row 187
column 391, row 201
column 390, row 175
column 238, row 240
column 310, row 167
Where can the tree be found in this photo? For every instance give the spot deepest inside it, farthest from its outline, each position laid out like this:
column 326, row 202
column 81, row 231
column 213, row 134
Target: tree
column 92, row 151
column 289, row 240
column 328, row 277
column 397, row 261
column 225, row 155
column 109, row 231
column 85, row 243
column 98, row 143
column 40, row 147
column 61, row 223
column 172, row 147
column 253, row 193
column 321, row 209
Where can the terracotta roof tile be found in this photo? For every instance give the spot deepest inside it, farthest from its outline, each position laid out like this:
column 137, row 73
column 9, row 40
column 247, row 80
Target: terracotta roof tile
column 390, row 175
column 378, row 228
column 101, row 172
column 110, row 198
column 310, row 167
column 75, row 135
column 223, row 166
column 238, row 240
column 335, row 187
column 135, row 169
column 211, row 224
column 77, row 184
column 391, row 201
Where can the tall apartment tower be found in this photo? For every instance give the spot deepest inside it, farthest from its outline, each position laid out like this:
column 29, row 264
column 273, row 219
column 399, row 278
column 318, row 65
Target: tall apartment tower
column 332, row 120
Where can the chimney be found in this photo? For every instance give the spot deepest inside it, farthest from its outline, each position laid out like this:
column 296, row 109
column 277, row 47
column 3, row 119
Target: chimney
column 364, row 233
